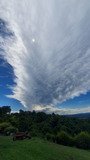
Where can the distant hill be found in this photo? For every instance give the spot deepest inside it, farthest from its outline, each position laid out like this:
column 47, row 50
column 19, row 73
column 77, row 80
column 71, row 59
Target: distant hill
column 80, row 115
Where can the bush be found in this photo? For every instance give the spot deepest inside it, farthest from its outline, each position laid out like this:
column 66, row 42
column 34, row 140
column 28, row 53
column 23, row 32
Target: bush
column 64, row 139
column 3, row 126
column 6, row 128
column 10, row 130
column 51, row 137
column 82, row 140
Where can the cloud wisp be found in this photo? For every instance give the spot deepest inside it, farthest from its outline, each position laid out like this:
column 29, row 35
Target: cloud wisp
column 48, row 45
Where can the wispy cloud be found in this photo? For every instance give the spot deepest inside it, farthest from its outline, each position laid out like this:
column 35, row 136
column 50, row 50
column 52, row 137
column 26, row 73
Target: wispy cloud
column 48, row 46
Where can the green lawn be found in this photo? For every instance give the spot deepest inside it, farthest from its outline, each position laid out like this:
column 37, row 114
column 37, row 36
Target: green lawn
column 37, row 149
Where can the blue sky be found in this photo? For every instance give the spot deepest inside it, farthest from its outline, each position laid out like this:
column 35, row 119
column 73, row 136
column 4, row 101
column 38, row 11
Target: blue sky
column 7, row 80
column 45, row 55
column 81, row 101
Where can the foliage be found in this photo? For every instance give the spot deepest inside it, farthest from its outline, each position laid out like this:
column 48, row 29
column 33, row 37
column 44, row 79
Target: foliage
column 64, row 138
column 3, row 126
column 59, row 129
column 5, row 110
column 10, row 130
column 82, row 140
column 51, row 137
column 6, row 128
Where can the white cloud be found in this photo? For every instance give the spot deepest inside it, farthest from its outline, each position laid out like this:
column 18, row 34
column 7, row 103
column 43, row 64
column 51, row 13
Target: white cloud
column 62, row 110
column 56, row 66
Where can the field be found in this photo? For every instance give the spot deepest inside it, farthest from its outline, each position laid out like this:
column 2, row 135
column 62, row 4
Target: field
column 38, row 149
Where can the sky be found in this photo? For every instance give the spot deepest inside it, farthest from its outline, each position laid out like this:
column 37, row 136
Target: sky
column 45, row 55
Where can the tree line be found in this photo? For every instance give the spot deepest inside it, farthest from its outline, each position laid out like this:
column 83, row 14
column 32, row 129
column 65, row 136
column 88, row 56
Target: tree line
column 59, row 129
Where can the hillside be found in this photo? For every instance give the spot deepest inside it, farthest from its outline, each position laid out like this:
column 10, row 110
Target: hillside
column 37, row 149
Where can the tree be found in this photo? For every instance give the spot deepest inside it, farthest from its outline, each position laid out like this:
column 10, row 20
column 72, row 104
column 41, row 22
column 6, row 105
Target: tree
column 3, row 126
column 64, row 139
column 10, row 130
column 5, row 110
column 82, row 140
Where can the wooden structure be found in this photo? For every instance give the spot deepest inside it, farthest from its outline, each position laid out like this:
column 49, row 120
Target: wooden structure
column 21, row 136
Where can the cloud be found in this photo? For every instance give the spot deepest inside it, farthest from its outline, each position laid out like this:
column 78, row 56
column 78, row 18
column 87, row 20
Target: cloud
column 48, row 45
column 61, row 110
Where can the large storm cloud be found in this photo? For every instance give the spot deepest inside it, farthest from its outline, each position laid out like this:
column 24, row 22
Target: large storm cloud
column 47, row 42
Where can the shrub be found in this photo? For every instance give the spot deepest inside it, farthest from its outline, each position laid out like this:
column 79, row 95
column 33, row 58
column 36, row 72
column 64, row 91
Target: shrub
column 82, row 140
column 10, row 130
column 64, row 139
column 3, row 126
column 6, row 128
column 51, row 137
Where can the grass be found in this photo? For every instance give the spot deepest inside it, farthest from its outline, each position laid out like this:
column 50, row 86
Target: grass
column 38, row 149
